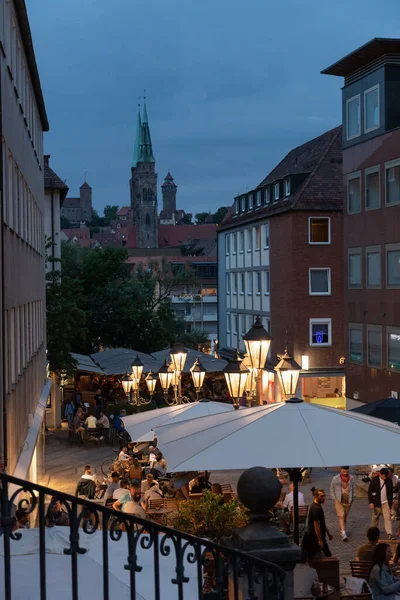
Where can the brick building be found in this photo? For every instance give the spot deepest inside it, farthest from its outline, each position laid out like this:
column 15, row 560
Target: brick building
column 371, row 171
column 280, row 257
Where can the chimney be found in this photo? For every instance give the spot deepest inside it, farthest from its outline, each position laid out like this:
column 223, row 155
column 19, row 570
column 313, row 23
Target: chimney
column 46, row 158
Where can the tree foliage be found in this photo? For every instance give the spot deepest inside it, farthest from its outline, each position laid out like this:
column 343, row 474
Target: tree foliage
column 64, row 223
column 110, row 213
column 219, row 214
column 201, row 217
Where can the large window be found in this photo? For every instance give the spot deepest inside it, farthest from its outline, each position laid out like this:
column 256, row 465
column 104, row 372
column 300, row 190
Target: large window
column 237, row 206
column 374, row 346
column 258, row 237
column 372, row 188
column 234, row 237
column 241, row 241
column 353, row 117
column 258, row 198
column 267, row 197
column 228, row 322
column 371, row 109
column 355, row 343
column 227, row 244
column 267, row 283
column 393, row 265
column 373, row 266
column 249, row 240
column 355, row 271
column 276, row 191
column 319, row 230
column 243, row 203
column 393, row 182
column 287, row 187
column 266, row 235
column 320, row 282
column 234, row 283
column 354, row 193
column 258, row 283
column 242, row 283
column 251, row 201
column 393, row 348
column 249, row 283
column 228, row 283
column 320, row 332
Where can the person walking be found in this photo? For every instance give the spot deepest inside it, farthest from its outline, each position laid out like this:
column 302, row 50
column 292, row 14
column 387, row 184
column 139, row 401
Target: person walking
column 316, row 522
column 343, row 493
column 380, row 498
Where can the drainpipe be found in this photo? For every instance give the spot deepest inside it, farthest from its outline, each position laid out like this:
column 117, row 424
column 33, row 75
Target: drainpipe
column 3, row 317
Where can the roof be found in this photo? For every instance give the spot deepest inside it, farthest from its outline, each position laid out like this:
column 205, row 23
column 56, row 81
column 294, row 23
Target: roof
column 85, row 186
column 169, row 181
column 119, row 360
column 52, row 181
column 79, row 232
column 210, row 363
column 179, row 235
column 364, row 55
column 85, row 363
column 22, row 16
column 322, row 189
column 124, row 210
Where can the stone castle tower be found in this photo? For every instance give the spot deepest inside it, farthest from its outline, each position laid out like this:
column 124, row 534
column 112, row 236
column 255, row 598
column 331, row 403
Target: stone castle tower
column 85, row 193
column 143, row 186
column 169, row 188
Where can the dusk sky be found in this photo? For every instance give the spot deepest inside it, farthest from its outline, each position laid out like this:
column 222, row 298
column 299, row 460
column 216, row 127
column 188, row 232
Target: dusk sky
column 231, row 86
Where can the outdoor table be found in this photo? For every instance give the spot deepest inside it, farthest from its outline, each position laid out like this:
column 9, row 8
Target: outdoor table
column 326, row 590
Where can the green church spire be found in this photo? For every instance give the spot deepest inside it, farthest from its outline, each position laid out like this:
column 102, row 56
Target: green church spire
column 146, row 148
column 138, row 137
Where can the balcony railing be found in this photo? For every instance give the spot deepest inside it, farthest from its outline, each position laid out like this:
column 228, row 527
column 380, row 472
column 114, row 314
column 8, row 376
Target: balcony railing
column 152, row 557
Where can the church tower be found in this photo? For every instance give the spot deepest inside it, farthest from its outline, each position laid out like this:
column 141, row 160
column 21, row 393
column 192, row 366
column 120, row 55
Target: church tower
column 168, row 189
column 143, row 185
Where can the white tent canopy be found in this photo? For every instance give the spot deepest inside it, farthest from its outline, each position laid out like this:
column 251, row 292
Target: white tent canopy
column 140, row 426
column 288, row 434
column 25, row 568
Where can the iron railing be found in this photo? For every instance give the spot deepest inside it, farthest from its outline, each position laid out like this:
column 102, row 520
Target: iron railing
column 196, row 569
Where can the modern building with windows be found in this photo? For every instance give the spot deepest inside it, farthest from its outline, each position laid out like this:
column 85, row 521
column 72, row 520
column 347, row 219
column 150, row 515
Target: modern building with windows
column 280, row 257
column 24, row 385
column 371, row 169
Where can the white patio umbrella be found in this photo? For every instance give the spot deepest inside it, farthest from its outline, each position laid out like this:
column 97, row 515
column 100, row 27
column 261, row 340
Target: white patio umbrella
column 25, row 569
column 140, row 426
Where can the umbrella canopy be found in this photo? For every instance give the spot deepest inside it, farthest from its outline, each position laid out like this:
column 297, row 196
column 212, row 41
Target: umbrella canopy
column 289, row 434
column 25, row 570
column 387, row 409
column 210, row 363
column 140, row 426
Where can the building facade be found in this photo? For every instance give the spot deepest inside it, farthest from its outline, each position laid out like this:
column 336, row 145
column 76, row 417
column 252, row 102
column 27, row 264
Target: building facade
column 371, row 175
column 278, row 258
column 78, row 210
column 55, row 191
column 24, row 385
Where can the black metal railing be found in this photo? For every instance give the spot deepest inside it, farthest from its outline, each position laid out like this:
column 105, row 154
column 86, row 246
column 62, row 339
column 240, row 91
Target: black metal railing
column 193, row 568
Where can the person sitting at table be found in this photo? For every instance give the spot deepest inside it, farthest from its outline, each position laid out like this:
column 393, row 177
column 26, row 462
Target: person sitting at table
column 23, row 518
column 78, row 423
column 121, row 490
column 118, row 424
column 91, row 425
column 287, row 505
column 112, row 486
column 160, row 467
column 123, row 453
column 153, row 493
column 199, row 485
column 130, row 502
column 366, row 551
column 103, row 421
column 305, row 578
column 135, row 470
column 56, row 515
column 383, row 584
column 147, row 482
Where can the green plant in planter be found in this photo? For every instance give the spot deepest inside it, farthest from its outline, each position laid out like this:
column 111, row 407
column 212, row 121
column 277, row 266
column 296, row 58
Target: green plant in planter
column 209, row 518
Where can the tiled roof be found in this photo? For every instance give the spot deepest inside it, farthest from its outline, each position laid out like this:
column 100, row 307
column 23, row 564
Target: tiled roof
column 124, row 211
column 179, row 235
column 53, row 182
column 321, row 160
column 172, row 259
column 85, row 186
column 79, row 232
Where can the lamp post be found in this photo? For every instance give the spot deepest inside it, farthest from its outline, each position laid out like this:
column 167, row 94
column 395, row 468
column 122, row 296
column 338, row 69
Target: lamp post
column 137, row 370
column 151, row 381
column 165, row 376
column 289, row 372
column 178, row 354
column 235, row 375
column 198, row 372
column 257, row 341
column 127, row 385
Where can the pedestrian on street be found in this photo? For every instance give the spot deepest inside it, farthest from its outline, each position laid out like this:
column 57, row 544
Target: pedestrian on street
column 316, row 522
column 395, row 481
column 380, row 497
column 343, row 493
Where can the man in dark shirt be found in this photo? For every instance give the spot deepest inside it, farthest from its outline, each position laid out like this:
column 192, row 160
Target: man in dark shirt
column 316, row 521
column 366, row 551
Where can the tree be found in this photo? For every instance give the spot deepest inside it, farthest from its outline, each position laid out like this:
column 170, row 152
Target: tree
column 110, row 213
column 219, row 215
column 201, row 217
column 64, row 223
column 187, row 220
column 96, row 220
column 196, row 339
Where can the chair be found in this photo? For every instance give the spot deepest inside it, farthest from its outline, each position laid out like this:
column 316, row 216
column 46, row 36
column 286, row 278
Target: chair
column 86, row 488
column 360, row 568
column 226, row 488
column 303, row 514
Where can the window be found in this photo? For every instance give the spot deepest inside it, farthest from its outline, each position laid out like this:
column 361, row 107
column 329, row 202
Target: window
column 242, row 283
column 356, row 343
column 320, row 332
column 234, row 238
column 267, row 197
column 249, row 284
column 234, row 323
column 393, row 265
column 234, row 283
column 243, row 203
column 393, row 350
column 371, row 109
column 228, row 322
column 258, row 283
column 242, row 324
column 227, row 244
column 354, row 266
column 258, row 198
column 374, row 346
column 266, row 235
column 241, row 241
column 287, row 188
column 320, row 282
column 372, row 188
column 249, row 240
column 267, row 283
column 319, row 230
column 354, row 193
column 393, row 182
column 250, row 201
column 353, row 117
column 228, row 283
column 373, row 266
column 237, row 206
column 258, row 237
column 276, row 191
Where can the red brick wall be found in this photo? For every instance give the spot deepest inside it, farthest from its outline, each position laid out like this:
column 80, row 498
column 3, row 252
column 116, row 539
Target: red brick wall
column 291, row 256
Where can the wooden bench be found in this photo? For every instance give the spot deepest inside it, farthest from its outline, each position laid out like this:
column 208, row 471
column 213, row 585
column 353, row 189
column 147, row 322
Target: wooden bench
column 360, row 568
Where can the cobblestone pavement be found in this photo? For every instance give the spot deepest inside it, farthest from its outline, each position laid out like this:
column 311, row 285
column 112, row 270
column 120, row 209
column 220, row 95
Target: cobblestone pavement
column 64, row 466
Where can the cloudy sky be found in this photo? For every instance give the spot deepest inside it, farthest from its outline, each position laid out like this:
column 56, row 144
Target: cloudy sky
column 232, row 85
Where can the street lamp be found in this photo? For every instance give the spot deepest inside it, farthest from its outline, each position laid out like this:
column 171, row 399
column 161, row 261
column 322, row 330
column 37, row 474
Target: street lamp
column 288, row 372
column 178, row 354
column 235, row 375
column 165, row 375
column 257, row 341
column 137, row 370
column 198, row 372
column 151, row 381
column 250, row 387
column 126, row 384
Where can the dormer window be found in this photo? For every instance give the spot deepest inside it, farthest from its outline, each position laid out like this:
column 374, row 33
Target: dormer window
column 243, row 203
column 250, row 201
column 353, row 117
column 267, row 195
column 237, row 206
column 287, row 188
column 258, row 201
column 276, row 191
column 371, row 109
